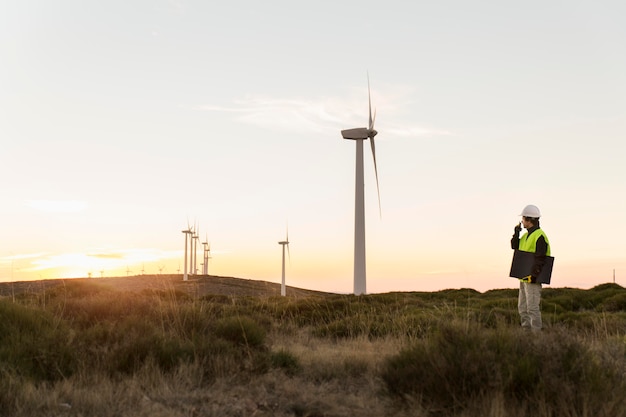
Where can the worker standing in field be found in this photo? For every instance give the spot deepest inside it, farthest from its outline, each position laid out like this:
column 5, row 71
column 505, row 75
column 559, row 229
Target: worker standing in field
column 534, row 241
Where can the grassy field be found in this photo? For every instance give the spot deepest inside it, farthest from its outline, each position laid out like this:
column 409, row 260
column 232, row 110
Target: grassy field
column 227, row 347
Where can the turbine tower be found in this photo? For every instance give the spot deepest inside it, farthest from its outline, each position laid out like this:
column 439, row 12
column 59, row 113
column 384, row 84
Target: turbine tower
column 283, row 243
column 192, row 249
column 205, row 263
column 360, row 134
column 195, row 253
column 187, row 232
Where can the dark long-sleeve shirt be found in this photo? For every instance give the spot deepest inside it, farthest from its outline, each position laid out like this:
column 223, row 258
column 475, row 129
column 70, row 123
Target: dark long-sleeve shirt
column 541, row 249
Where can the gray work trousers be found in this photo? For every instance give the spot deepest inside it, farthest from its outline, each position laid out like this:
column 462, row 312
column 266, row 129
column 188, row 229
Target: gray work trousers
column 528, row 305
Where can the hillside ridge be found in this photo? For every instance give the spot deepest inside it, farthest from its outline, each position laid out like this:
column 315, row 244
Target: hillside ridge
column 197, row 286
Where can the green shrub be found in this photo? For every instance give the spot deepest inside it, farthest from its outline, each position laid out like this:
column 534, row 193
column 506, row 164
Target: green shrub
column 457, row 366
column 569, row 299
column 131, row 356
column 607, row 287
column 615, row 302
column 373, row 326
column 496, row 317
column 286, row 361
column 241, row 330
column 340, row 329
column 33, row 344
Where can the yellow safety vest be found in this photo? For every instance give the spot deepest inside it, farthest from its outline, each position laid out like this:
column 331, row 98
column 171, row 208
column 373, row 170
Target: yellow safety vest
column 529, row 243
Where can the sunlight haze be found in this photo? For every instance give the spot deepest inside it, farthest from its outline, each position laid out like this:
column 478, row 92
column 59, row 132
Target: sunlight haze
column 123, row 123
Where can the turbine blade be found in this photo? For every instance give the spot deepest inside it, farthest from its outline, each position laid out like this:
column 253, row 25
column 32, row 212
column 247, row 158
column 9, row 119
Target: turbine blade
column 288, row 253
column 369, row 98
column 376, row 172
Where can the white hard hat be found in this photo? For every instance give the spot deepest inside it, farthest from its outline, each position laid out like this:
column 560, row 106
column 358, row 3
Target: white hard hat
column 531, row 211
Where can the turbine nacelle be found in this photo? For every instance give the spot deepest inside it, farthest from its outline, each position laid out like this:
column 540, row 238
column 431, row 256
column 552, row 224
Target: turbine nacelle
column 358, row 133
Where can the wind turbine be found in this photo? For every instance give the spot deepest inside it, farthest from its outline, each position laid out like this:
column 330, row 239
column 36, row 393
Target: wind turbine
column 283, row 243
column 359, row 135
column 187, row 232
column 207, row 250
column 194, row 255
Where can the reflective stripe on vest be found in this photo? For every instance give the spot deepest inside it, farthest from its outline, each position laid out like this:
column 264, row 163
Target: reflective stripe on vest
column 529, row 243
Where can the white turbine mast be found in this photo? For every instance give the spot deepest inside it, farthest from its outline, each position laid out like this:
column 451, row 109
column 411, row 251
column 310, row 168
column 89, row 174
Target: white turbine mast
column 194, row 246
column 187, row 233
column 359, row 135
column 283, row 243
column 207, row 249
column 195, row 255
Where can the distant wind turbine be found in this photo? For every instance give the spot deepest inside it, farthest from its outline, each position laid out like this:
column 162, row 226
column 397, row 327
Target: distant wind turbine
column 194, row 262
column 283, row 243
column 359, row 135
column 187, row 232
column 207, row 250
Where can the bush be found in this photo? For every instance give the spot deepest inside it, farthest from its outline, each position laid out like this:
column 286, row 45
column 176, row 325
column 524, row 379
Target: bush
column 447, row 369
column 616, row 302
column 286, row 361
column 33, row 344
column 456, row 367
column 241, row 330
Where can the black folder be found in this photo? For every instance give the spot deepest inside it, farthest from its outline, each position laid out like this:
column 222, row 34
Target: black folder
column 523, row 263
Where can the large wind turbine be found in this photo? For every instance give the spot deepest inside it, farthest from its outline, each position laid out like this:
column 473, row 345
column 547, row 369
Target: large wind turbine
column 283, row 243
column 359, row 135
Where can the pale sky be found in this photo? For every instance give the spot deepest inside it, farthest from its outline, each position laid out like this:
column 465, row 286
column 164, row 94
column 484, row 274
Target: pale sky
column 122, row 121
